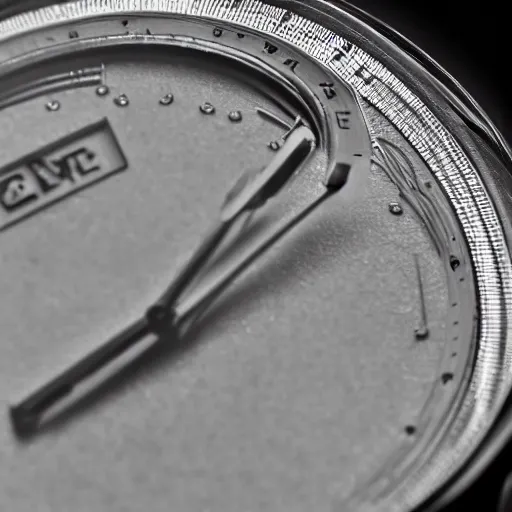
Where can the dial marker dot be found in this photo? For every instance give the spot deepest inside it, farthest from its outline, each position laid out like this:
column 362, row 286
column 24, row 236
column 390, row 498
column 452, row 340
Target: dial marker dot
column 166, row 100
column 102, row 90
column 235, row 116
column 396, row 208
column 53, row 106
column 207, row 109
column 122, row 100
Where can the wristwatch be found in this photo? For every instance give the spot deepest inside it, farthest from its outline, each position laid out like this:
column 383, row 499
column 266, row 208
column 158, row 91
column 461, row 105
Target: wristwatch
column 256, row 255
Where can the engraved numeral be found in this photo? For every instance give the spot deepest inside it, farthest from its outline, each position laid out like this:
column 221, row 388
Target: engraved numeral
column 17, row 190
column 291, row 63
column 329, row 91
column 270, row 48
column 343, row 118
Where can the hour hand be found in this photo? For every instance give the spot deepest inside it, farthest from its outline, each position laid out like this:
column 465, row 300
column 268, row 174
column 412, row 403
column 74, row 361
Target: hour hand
column 27, row 414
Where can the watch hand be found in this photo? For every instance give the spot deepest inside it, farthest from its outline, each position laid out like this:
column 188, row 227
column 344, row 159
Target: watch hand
column 26, row 414
column 249, row 193
column 271, row 180
column 254, row 191
column 197, row 301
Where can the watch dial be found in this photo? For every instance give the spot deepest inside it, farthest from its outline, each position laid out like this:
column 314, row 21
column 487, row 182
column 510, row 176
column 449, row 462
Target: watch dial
column 282, row 242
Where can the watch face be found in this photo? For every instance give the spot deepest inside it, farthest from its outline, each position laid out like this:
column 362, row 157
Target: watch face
column 254, row 257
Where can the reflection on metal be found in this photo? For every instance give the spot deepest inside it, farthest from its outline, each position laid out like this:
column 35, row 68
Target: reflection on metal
column 417, row 194
column 273, row 118
column 85, row 77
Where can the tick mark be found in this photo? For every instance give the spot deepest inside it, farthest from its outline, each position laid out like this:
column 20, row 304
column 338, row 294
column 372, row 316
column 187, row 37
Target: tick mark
column 410, row 430
column 103, row 74
column 454, row 262
column 422, row 332
column 447, row 377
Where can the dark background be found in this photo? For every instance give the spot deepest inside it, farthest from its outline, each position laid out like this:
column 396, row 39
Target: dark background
column 472, row 41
